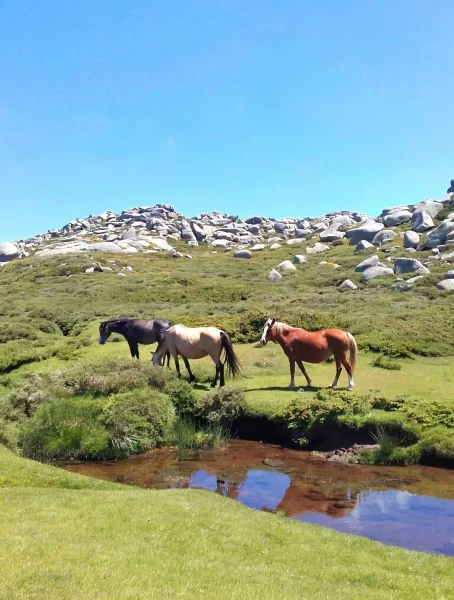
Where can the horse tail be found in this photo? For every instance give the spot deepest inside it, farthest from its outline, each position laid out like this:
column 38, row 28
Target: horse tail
column 353, row 348
column 233, row 363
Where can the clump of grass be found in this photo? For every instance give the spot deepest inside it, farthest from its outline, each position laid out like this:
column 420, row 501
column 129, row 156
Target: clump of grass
column 384, row 362
column 191, row 437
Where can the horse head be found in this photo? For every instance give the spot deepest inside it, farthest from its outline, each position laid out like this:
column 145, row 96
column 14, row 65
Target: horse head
column 266, row 335
column 104, row 332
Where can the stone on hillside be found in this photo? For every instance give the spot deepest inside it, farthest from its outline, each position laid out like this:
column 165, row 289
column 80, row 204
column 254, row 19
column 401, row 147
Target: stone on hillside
column 280, row 226
column 369, row 262
column 90, row 270
column 220, row 243
column 177, row 255
column 341, row 222
column 449, row 275
column 316, row 248
column 254, row 229
column 373, row 272
column 397, row 218
column 421, row 222
column 242, row 254
column 129, row 234
column 302, row 233
column 415, row 279
column 367, row 231
column 447, row 285
column 394, row 209
column 286, row 265
column 8, row 251
column 438, row 235
column 104, row 247
column 274, row 275
column 363, row 245
column 254, row 220
column 299, row 259
column 430, row 207
column 295, row 242
column 409, row 265
column 348, row 285
column 329, row 235
column 402, row 286
column 258, row 247
column 161, row 244
column 198, row 231
column 411, row 239
column 338, row 243
column 275, row 246
column 383, row 237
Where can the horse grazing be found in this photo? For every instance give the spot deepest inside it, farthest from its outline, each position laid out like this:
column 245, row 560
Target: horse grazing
column 314, row 347
column 196, row 343
column 135, row 331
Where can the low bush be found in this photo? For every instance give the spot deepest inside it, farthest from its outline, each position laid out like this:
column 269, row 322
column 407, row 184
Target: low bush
column 98, row 428
column 65, row 429
column 383, row 362
column 110, row 376
column 222, row 405
column 181, row 393
column 138, row 421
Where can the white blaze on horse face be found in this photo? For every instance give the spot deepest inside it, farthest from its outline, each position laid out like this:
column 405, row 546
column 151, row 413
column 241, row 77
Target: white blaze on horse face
column 263, row 339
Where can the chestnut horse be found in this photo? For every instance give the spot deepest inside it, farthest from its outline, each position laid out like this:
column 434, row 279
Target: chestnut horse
column 313, row 347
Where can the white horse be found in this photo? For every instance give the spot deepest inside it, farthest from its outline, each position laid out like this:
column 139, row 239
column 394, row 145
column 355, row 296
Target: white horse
column 195, row 343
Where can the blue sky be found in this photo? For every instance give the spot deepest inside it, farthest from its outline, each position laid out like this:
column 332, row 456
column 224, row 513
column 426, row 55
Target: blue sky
column 271, row 107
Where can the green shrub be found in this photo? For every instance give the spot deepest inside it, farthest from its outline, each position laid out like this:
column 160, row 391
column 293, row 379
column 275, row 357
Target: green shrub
column 138, row 421
column 17, row 331
column 106, row 376
column 222, row 405
column 305, row 416
column 64, row 429
column 16, row 353
column 182, row 395
column 383, row 362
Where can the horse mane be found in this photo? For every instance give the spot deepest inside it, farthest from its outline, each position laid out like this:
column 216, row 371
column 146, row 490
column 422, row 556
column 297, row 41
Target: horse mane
column 117, row 321
column 280, row 326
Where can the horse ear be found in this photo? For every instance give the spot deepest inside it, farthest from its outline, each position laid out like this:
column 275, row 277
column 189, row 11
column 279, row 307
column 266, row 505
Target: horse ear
column 273, row 321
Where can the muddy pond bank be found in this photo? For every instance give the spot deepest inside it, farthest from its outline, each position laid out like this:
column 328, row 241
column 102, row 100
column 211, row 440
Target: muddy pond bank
column 412, row 507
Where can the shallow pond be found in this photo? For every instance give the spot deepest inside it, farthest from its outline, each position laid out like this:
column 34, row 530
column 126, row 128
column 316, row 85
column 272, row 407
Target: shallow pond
column 412, row 507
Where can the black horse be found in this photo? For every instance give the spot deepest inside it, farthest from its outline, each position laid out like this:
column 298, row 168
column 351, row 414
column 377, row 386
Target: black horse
column 135, row 331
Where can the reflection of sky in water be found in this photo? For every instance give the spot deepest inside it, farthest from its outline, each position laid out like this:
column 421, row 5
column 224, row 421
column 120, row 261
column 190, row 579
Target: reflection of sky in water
column 263, row 489
column 260, row 489
column 397, row 518
column 392, row 517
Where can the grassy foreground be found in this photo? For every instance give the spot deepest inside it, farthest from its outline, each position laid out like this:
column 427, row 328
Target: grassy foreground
column 89, row 539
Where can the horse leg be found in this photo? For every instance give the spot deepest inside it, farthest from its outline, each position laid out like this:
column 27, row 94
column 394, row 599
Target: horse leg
column 221, row 372
column 133, row 349
column 215, row 380
column 188, row 368
column 338, row 372
column 349, row 372
column 168, row 360
column 304, row 372
column 292, row 372
column 177, row 365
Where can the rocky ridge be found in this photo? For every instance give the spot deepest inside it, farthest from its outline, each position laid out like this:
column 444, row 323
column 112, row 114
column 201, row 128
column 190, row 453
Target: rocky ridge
column 157, row 228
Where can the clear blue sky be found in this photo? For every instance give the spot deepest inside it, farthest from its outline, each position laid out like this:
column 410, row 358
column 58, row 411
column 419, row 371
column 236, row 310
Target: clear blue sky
column 283, row 107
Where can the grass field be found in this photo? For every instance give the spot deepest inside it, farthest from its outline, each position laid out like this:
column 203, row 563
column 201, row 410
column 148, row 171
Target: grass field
column 65, row 536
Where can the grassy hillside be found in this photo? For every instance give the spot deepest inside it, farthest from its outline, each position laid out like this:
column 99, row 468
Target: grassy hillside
column 50, row 311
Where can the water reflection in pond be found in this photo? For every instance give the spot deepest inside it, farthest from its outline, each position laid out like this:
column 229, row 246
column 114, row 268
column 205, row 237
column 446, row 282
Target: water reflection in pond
column 412, row 507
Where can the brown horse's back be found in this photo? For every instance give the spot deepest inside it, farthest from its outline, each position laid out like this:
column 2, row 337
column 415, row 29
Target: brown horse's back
column 315, row 346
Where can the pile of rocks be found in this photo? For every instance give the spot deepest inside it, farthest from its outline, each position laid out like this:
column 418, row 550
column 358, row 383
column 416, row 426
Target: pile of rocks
column 157, row 229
